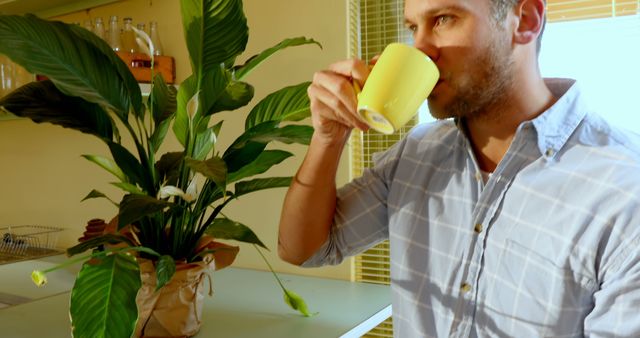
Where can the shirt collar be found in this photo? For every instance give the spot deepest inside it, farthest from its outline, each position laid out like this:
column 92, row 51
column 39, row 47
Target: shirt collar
column 556, row 124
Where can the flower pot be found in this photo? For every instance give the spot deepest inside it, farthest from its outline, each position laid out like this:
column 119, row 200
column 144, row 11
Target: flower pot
column 176, row 309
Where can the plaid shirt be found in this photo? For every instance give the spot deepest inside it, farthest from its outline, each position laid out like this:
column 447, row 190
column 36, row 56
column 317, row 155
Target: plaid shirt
column 549, row 246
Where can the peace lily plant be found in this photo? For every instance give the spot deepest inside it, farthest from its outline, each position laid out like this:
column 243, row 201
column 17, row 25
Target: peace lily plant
column 174, row 201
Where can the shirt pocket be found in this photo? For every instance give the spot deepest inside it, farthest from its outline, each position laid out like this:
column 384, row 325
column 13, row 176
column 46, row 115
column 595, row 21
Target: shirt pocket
column 550, row 298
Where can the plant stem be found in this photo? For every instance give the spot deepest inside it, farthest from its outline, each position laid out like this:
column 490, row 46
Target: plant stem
column 100, row 253
column 270, row 268
column 67, row 263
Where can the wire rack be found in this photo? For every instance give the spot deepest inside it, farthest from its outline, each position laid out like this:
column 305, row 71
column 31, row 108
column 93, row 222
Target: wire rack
column 23, row 242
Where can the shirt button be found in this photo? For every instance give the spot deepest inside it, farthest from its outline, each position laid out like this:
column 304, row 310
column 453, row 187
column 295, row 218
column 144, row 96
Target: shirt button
column 478, row 176
column 465, row 287
column 478, row 228
column 549, row 152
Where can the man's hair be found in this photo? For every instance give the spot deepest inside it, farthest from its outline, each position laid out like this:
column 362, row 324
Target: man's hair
column 500, row 9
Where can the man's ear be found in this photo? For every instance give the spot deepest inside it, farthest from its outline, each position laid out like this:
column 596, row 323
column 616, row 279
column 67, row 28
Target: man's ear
column 530, row 17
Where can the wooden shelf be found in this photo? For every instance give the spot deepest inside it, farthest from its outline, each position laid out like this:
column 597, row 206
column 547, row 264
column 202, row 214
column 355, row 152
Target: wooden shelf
column 49, row 8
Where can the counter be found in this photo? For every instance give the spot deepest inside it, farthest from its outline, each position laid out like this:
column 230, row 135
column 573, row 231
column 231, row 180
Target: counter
column 246, row 303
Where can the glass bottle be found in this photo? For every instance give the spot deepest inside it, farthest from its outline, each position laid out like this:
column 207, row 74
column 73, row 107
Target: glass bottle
column 142, row 27
column 3, row 74
column 7, row 75
column 88, row 25
column 155, row 38
column 114, row 34
column 21, row 76
column 129, row 43
column 99, row 30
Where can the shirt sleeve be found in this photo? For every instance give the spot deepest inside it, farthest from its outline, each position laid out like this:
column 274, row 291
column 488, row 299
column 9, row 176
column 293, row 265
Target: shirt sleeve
column 361, row 218
column 616, row 311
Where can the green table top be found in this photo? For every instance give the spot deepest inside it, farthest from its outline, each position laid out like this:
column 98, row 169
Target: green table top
column 246, row 303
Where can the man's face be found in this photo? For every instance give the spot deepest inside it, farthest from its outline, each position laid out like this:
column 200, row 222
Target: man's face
column 471, row 50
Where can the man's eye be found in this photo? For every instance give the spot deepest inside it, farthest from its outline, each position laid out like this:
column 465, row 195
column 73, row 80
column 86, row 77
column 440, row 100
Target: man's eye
column 412, row 28
column 443, row 20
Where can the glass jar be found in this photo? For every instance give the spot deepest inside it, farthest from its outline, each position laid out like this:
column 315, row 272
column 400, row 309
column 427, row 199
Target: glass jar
column 155, row 38
column 88, row 25
column 129, row 43
column 99, row 30
column 7, row 74
column 114, row 34
column 142, row 27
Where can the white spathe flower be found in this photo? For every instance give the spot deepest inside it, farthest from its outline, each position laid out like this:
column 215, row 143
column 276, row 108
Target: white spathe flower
column 192, row 191
column 143, row 47
column 214, row 138
column 193, row 104
column 144, row 41
column 170, row 190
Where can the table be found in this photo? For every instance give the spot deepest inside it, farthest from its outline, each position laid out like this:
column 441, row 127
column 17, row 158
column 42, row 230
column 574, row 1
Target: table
column 246, row 303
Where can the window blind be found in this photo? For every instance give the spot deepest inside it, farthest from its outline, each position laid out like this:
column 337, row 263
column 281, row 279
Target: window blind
column 565, row 10
column 375, row 23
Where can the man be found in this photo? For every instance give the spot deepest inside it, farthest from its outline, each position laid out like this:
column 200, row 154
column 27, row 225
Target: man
column 517, row 217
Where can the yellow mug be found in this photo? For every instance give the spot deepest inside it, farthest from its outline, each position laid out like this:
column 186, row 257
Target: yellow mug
column 398, row 84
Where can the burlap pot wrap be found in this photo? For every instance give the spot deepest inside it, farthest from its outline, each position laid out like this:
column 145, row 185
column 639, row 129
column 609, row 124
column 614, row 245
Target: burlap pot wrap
column 176, row 309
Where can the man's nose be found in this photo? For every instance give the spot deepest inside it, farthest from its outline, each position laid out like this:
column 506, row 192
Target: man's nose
column 426, row 45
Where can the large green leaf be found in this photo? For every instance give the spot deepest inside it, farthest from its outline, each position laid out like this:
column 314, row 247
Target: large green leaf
column 261, row 164
column 165, row 268
column 168, row 167
column 129, row 165
column 134, row 207
column 162, row 100
column 225, row 228
column 243, row 151
column 181, row 124
column 216, row 31
column 77, row 67
column 103, row 298
column 163, row 103
column 129, row 81
column 97, row 241
column 287, row 104
column 159, row 134
column 108, row 165
column 214, row 84
column 237, row 94
column 255, row 60
column 214, row 169
column 98, row 194
column 250, row 144
column 246, row 187
column 287, row 134
column 43, row 102
column 94, row 194
column 205, row 141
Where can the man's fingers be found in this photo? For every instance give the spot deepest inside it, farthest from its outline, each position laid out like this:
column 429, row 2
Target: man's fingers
column 339, row 86
column 373, row 61
column 329, row 108
column 327, row 105
column 353, row 69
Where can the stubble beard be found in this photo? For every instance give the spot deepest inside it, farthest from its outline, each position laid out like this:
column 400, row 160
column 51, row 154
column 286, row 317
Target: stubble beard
column 481, row 90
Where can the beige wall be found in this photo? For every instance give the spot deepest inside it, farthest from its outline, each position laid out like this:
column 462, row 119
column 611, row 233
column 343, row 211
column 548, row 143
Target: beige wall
column 44, row 177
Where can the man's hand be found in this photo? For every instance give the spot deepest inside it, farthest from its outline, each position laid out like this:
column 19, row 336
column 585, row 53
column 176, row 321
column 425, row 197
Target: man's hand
column 334, row 102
